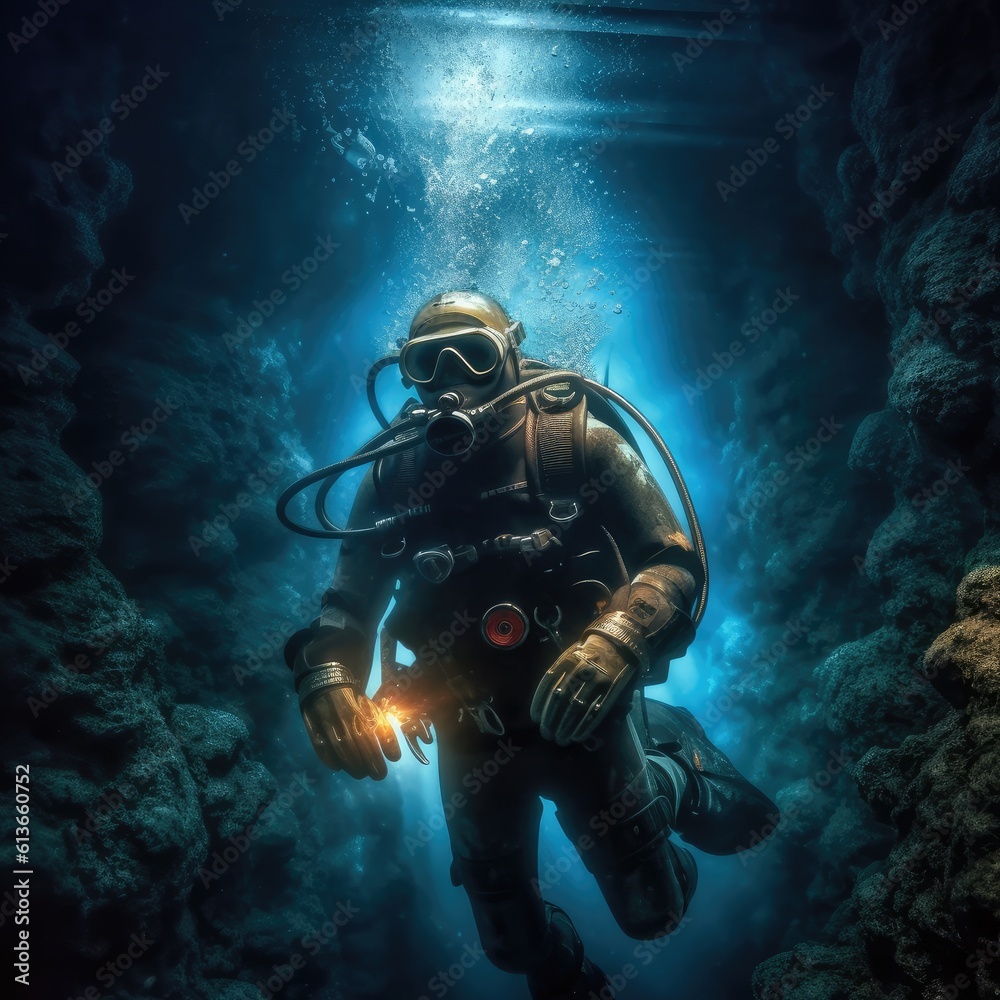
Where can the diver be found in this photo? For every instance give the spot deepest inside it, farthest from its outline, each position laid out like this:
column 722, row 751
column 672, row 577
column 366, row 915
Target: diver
column 540, row 579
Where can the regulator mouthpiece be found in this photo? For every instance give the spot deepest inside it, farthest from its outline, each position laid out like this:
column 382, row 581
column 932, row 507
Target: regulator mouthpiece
column 450, row 433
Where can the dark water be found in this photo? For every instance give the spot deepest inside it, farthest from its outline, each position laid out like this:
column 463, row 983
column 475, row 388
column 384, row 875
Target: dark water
column 304, row 176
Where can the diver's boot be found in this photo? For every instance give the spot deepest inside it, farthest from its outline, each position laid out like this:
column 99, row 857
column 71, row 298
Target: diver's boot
column 566, row 973
column 717, row 809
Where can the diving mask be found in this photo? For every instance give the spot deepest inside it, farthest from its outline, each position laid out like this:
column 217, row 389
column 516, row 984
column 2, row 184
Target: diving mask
column 474, row 354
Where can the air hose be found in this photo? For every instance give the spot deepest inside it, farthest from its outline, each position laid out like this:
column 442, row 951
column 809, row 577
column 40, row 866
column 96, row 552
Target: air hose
column 407, row 434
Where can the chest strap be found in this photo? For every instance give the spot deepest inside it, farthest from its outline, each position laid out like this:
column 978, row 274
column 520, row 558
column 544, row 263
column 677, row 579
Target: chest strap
column 555, row 438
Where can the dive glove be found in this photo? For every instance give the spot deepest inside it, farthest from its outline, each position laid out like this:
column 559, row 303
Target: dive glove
column 579, row 691
column 347, row 729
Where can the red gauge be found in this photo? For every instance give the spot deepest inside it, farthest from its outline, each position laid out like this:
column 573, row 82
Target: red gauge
column 505, row 626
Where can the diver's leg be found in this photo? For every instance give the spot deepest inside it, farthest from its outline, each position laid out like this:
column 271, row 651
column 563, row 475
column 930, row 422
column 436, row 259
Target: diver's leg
column 721, row 812
column 619, row 817
column 493, row 827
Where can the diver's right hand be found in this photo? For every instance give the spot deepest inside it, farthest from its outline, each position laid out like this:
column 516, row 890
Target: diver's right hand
column 349, row 732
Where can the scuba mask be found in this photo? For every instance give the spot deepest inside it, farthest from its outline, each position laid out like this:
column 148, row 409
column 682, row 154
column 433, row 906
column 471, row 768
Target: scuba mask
column 475, row 354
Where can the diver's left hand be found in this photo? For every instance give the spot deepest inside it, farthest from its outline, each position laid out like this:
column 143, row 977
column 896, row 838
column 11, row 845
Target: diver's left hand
column 579, row 691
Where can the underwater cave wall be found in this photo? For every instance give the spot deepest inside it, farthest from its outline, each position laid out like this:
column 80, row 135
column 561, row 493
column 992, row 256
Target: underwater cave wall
column 910, row 202
column 148, row 591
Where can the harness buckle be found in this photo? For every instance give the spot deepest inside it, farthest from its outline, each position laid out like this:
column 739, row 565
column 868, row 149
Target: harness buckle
column 538, row 541
column 563, row 511
column 437, row 564
column 484, row 715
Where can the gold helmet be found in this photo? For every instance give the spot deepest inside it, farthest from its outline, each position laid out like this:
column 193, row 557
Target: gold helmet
column 451, row 312
column 462, row 337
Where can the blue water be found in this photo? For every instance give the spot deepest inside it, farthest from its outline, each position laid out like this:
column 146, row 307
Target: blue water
column 506, row 184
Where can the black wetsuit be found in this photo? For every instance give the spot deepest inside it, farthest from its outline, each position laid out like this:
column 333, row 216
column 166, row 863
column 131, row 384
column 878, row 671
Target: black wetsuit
column 607, row 800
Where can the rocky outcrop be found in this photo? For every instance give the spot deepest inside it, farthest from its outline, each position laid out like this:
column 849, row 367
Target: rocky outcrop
column 147, row 594
column 911, row 205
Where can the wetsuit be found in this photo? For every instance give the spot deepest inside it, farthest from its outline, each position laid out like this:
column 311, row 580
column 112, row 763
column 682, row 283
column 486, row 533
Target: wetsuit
column 489, row 541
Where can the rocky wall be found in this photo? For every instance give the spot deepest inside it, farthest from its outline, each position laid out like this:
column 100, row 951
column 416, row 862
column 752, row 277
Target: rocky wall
column 910, row 204
column 147, row 592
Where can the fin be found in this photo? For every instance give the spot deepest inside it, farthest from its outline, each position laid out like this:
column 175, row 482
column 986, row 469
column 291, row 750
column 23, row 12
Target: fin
column 722, row 812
